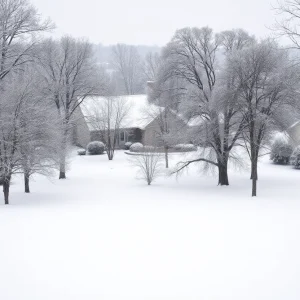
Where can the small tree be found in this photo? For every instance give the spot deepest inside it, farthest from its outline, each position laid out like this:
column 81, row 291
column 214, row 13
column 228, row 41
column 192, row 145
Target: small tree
column 108, row 116
column 169, row 129
column 148, row 163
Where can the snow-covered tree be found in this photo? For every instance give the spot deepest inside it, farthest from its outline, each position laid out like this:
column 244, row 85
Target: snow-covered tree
column 69, row 76
column 267, row 82
column 19, row 25
column 108, row 117
column 288, row 20
column 204, row 91
column 28, row 131
column 151, row 66
column 128, row 65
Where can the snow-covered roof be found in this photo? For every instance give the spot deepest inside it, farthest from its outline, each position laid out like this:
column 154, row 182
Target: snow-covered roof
column 294, row 124
column 139, row 115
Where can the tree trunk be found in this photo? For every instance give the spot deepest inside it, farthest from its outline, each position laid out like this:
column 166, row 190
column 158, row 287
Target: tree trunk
column 26, row 181
column 1, row 176
column 63, row 154
column 223, row 172
column 167, row 156
column 62, row 167
column 62, row 162
column 254, row 177
column 6, row 185
column 110, row 154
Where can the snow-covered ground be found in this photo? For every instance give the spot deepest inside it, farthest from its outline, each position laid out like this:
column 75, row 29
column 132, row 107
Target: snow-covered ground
column 103, row 234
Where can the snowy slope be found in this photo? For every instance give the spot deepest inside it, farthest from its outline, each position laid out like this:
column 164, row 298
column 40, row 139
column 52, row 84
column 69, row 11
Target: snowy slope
column 102, row 234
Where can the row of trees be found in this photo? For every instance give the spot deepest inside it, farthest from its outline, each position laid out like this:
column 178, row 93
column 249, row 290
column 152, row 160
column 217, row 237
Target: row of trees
column 131, row 71
column 235, row 89
column 238, row 89
column 42, row 83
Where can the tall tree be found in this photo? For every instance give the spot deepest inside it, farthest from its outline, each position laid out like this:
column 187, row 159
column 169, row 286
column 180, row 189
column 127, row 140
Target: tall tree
column 38, row 144
column 70, row 75
column 128, row 65
column 151, row 66
column 205, row 93
column 25, row 122
column 267, row 82
column 288, row 24
column 19, row 24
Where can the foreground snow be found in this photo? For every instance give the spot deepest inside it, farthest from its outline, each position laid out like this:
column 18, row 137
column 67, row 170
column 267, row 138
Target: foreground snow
column 102, row 234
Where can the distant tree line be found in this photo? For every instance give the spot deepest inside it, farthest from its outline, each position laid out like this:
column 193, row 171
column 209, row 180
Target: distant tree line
column 238, row 90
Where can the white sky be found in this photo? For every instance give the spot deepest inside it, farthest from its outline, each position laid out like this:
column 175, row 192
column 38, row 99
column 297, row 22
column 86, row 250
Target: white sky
column 154, row 21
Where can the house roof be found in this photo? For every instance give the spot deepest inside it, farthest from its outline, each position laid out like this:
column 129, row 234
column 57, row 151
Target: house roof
column 139, row 115
column 294, row 124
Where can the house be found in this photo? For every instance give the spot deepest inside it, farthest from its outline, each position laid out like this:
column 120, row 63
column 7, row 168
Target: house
column 141, row 123
column 294, row 133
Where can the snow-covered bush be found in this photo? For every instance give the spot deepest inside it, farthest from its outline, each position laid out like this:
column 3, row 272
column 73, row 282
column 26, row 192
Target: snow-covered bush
column 185, row 147
column 295, row 158
column 281, row 151
column 127, row 145
column 81, row 152
column 95, row 148
column 136, row 147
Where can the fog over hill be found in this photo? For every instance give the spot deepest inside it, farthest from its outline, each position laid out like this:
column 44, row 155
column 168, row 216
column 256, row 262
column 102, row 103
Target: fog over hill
column 103, row 52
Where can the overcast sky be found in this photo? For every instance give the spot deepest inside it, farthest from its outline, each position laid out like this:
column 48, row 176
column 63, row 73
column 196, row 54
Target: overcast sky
column 153, row 22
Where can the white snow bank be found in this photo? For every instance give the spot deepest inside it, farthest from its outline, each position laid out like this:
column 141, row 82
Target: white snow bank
column 102, row 234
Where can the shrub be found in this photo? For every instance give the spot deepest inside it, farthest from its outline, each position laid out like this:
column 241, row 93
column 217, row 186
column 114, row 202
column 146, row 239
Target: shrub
column 95, row 148
column 149, row 148
column 295, row 158
column 81, row 152
column 148, row 164
column 281, row 151
column 185, row 147
column 127, row 145
column 136, row 147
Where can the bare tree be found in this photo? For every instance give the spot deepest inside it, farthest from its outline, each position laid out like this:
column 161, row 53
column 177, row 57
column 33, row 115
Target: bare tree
column 234, row 40
column 25, row 121
column 19, row 24
column 206, row 97
column 148, row 163
column 268, row 83
column 11, row 101
column 167, row 126
column 109, row 116
column 151, row 66
column 38, row 138
column 70, row 75
column 127, row 63
column 288, row 25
